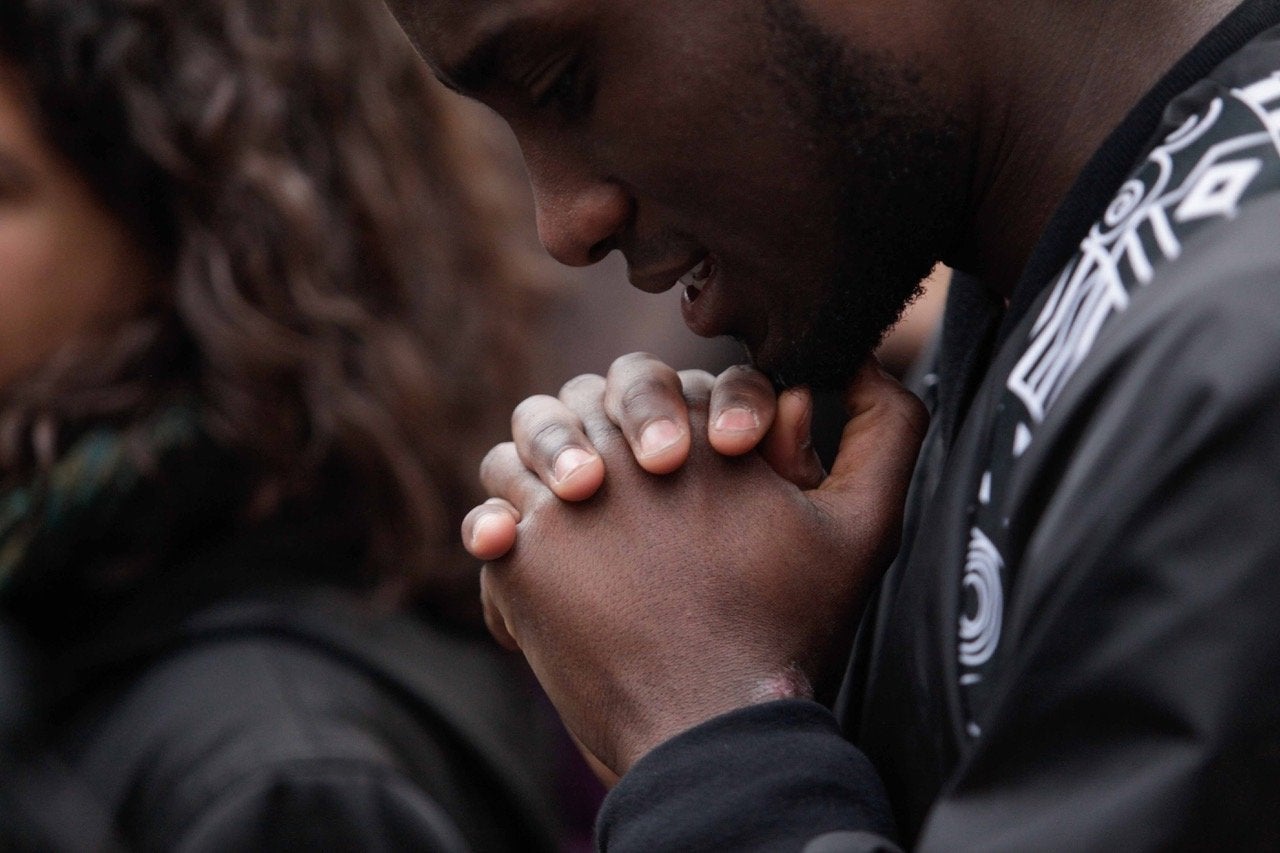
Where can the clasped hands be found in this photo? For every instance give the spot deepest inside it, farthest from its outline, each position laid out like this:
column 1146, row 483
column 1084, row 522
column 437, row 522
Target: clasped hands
column 665, row 547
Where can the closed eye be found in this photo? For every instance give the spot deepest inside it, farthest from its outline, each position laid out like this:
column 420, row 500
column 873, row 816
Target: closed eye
column 568, row 89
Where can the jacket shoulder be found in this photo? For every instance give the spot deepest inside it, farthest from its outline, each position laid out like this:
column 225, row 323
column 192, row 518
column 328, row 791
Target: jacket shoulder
column 221, row 719
column 312, row 700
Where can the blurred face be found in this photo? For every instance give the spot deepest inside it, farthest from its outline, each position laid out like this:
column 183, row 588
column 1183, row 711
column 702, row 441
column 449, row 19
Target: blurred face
column 795, row 186
column 67, row 267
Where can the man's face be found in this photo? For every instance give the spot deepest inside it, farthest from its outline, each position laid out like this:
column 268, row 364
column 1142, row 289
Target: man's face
column 798, row 189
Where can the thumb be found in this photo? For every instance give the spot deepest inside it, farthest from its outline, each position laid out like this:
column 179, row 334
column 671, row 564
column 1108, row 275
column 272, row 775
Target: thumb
column 788, row 448
column 877, row 454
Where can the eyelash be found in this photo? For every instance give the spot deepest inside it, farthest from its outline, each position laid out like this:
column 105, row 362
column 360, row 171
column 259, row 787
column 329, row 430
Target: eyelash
column 569, row 92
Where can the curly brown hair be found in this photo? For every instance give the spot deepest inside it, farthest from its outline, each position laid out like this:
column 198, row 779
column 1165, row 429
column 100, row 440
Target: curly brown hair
column 341, row 289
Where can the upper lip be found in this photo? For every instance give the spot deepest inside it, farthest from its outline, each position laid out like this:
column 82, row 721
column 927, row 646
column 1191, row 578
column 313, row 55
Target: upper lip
column 664, row 279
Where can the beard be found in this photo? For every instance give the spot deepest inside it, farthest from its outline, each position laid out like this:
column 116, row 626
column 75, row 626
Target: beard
column 895, row 157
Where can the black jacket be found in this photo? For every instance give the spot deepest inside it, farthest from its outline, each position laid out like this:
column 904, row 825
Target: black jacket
column 1077, row 648
column 235, row 704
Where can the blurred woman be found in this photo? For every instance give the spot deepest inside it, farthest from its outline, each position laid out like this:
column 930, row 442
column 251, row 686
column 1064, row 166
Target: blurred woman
column 247, row 301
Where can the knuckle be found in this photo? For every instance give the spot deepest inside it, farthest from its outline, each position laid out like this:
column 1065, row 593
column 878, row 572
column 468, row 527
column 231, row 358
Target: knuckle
column 698, row 385
column 745, row 374
column 744, row 370
column 728, row 398
column 547, row 438
column 634, row 361
column 644, row 394
column 497, row 458
column 639, row 382
column 638, row 366
column 531, row 409
column 743, row 387
column 696, row 378
column 587, row 383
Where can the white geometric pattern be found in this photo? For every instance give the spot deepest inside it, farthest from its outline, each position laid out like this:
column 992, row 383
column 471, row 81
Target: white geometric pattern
column 980, row 633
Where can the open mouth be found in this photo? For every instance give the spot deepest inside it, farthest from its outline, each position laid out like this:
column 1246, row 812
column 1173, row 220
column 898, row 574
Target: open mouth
column 703, row 302
column 696, row 279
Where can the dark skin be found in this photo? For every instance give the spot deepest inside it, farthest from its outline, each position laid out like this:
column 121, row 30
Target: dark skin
column 715, row 566
column 700, row 633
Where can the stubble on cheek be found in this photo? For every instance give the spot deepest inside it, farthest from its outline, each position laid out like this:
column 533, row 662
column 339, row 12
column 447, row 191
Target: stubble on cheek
column 891, row 158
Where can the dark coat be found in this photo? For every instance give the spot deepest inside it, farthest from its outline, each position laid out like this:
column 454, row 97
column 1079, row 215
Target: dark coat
column 249, row 708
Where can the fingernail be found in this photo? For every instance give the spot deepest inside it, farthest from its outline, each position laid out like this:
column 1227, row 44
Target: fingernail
column 485, row 525
column 658, row 436
column 737, row 419
column 569, row 462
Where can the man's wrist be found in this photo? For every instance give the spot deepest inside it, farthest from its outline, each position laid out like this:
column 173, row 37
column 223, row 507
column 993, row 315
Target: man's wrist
column 791, row 683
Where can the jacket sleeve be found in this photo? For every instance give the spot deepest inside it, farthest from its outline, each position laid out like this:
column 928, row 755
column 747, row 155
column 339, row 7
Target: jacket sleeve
column 1137, row 700
column 321, row 805
column 767, row 777
column 1138, row 706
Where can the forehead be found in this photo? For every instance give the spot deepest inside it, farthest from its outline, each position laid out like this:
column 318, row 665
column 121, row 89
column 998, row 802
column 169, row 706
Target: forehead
column 450, row 33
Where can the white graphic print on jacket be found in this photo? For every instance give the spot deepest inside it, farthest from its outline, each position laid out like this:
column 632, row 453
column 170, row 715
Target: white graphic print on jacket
column 1201, row 173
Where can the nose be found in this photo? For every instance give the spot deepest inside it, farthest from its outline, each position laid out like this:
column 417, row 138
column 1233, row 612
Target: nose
column 579, row 217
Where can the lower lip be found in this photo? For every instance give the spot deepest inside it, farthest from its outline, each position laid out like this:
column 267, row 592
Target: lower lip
column 700, row 312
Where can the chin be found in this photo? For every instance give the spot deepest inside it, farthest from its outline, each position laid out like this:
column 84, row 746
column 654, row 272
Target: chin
column 823, row 365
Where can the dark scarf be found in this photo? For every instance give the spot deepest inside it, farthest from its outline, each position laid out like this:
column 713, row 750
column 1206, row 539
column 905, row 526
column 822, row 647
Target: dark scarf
column 114, row 502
